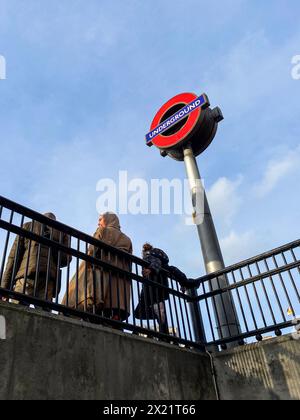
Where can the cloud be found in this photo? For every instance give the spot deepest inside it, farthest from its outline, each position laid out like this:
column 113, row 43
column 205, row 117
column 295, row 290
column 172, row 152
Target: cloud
column 224, row 199
column 277, row 170
column 245, row 82
column 237, row 247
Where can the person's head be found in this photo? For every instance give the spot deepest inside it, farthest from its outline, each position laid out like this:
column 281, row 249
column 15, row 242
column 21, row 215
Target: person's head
column 50, row 216
column 109, row 220
column 147, row 247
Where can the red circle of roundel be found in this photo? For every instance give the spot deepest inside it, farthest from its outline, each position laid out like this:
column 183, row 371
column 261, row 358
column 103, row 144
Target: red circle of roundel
column 165, row 142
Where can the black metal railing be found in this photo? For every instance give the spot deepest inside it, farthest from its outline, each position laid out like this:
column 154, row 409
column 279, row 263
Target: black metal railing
column 266, row 295
column 49, row 265
column 54, row 267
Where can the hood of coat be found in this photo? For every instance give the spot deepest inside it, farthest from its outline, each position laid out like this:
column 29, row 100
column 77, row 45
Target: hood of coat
column 111, row 220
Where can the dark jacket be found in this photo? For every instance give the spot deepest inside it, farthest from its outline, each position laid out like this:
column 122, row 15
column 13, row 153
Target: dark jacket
column 151, row 295
column 26, row 258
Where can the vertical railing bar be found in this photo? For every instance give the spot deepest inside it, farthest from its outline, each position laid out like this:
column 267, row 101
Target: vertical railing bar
column 224, row 309
column 144, row 292
column 249, row 300
column 275, row 291
column 110, row 287
column 28, row 259
column 48, row 266
column 172, row 319
column 150, row 289
column 140, row 295
column 86, row 270
column 284, row 286
column 102, row 285
column 208, row 313
column 110, row 296
column 77, row 276
column 181, row 310
column 295, row 259
column 240, row 302
column 6, row 246
column 266, row 294
column 94, row 300
column 257, row 298
column 188, row 318
column 58, row 269
column 216, row 312
column 118, row 288
column 38, row 262
column 68, row 274
column 14, row 272
column 125, row 283
column 166, row 315
column 177, row 317
column 291, row 277
column 159, row 310
column 132, row 304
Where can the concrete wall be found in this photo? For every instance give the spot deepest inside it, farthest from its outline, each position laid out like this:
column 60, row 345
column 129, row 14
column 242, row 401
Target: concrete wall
column 266, row 371
column 45, row 356
column 50, row 357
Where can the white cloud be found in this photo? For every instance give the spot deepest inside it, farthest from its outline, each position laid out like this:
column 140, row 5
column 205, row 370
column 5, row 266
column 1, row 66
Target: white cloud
column 277, row 170
column 224, row 199
column 246, row 74
column 237, row 247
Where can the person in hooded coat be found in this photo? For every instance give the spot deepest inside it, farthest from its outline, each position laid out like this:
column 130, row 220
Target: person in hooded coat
column 104, row 292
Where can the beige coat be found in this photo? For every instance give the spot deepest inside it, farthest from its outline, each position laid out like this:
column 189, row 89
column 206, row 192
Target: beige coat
column 98, row 287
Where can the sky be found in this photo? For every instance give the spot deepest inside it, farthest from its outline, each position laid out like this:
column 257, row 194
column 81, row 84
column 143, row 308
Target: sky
column 85, row 79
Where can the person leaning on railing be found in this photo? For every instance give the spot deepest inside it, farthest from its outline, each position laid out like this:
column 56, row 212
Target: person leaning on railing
column 29, row 268
column 152, row 299
column 95, row 289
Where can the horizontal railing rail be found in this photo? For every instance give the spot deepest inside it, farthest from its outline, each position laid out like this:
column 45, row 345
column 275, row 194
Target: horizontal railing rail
column 253, row 260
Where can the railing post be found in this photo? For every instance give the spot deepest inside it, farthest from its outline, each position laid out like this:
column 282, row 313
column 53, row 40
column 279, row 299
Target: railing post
column 198, row 326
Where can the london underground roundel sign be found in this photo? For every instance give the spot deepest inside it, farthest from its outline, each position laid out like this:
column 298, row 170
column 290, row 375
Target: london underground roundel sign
column 176, row 120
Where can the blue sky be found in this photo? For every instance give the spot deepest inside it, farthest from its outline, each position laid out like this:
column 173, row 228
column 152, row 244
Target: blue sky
column 85, row 78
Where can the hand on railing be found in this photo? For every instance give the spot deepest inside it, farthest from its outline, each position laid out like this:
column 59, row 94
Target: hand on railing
column 146, row 272
column 189, row 284
column 182, row 279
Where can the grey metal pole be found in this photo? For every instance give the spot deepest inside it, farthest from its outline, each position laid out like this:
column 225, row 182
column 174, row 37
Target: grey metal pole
column 225, row 313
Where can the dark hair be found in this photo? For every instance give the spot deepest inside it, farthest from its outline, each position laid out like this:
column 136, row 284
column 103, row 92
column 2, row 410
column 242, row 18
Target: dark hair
column 50, row 216
column 147, row 247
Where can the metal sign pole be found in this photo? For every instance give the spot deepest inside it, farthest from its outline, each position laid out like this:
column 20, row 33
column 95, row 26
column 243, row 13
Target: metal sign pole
column 224, row 306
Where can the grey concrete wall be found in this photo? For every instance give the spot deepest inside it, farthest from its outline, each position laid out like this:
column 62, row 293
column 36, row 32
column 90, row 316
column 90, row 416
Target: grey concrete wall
column 265, row 371
column 50, row 357
column 45, row 356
